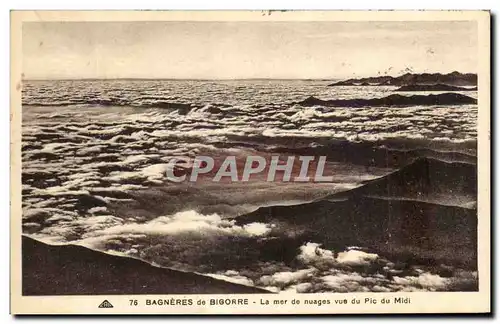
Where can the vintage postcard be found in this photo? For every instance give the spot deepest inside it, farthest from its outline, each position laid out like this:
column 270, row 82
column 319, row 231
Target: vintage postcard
column 250, row 162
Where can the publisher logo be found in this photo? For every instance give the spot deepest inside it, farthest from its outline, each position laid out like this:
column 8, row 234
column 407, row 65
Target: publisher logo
column 105, row 304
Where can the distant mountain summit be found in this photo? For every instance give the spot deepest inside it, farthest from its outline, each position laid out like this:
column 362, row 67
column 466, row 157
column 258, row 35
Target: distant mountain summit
column 454, row 79
column 424, row 179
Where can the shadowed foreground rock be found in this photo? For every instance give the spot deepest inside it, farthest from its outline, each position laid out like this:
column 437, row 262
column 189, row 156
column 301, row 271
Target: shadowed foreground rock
column 76, row 270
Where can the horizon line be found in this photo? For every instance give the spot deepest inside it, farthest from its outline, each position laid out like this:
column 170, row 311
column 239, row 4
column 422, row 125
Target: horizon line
column 182, row 79
column 240, row 79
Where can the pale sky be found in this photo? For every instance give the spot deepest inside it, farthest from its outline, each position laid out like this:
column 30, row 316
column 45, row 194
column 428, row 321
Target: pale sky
column 230, row 50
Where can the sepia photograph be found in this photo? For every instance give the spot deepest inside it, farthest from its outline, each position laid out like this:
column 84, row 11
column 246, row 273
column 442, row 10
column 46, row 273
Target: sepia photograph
column 281, row 156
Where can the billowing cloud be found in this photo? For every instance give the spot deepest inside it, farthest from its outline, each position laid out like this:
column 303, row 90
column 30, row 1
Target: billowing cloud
column 355, row 257
column 187, row 221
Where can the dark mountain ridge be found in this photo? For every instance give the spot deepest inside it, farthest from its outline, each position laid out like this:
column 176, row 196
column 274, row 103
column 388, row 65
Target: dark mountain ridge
column 423, row 178
column 454, row 78
column 393, row 100
column 433, row 87
column 391, row 216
